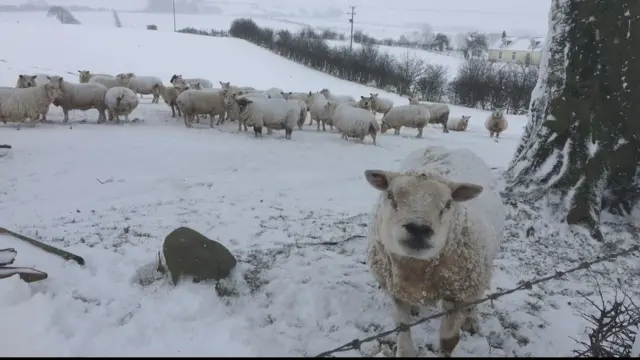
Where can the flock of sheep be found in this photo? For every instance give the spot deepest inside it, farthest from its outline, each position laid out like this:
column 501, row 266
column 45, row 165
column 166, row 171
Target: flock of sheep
column 272, row 109
column 428, row 241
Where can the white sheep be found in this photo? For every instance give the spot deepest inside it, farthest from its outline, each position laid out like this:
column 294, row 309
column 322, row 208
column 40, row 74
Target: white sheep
column 439, row 115
column 204, row 83
column 26, row 81
column 458, row 123
column 274, row 114
column 413, row 116
column 109, row 81
column 316, row 103
column 230, row 97
column 496, row 123
column 338, row 98
column 364, row 103
column 303, row 111
column 274, row 93
column 170, row 96
column 207, row 101
column 120, row 100
column 83, row 96
column 433, row 236
column 380, row 105
column 227, row 86
column 85, row 75
column 28, row 102
column 144, row 85
column 295, row 95
column 352, row 121
column 413, row 101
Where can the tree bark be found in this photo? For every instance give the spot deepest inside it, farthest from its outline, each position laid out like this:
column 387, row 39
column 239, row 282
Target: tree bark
column 580, row 149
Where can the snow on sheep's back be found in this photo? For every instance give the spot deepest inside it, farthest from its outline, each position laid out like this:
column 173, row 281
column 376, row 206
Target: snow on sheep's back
column 65, row 49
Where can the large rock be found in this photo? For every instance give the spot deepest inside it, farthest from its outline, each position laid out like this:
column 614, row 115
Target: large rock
column 187, row 252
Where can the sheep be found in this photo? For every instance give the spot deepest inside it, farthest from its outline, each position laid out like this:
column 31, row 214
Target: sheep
column 206, row 101
column 120, row 100
column 380, row 105
column 85, row 75
column 26, row 81
column 170, row 95
column 458, row 123
column 110, row 81
column 413, row 101
column 428, row 240
column 413, row 116
column 144, row 85
column 339, row 98
column 230, row 97
column 274, row 93
column 83, row 96
column 496, row 123
column 294, row 95
column 303, row 111
column 316, row 103
column 28, row 102
column 364, row 103
column 276, row 114
column 227, row 86
column 352, row 121
column 206, row 84
column 439, row 115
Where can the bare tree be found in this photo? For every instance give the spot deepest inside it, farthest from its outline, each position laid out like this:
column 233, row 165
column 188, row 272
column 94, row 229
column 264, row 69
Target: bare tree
column 116, row 19
column 409, row 69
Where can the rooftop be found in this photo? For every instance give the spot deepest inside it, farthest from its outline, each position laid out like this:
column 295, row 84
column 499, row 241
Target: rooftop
column 518, row 43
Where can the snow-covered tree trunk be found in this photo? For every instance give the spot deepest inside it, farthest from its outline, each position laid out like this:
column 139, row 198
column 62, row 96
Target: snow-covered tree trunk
column 580, row 149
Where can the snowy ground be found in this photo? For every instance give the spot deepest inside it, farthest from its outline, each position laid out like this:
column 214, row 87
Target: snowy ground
column 268, row 200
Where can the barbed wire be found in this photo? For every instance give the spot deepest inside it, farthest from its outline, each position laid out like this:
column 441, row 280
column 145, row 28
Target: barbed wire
column 525, row 285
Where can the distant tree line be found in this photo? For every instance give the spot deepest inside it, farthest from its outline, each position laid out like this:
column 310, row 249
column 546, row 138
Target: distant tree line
column 478, row 83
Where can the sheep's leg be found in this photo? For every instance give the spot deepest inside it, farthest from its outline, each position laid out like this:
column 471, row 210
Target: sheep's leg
column 187, row 121
column 402, row 316
column 257, row 131
column 419, row 136
column 310, row 119
column 470, row 323
column 450, row 328
column 445, row 129
column 126, row 117
column 179, row 111
column 497, row 134
column 173, row 111
column 240, row 126
column 396, row 131
column 287, row 134
column 318, row 122
column 269, row 131
column 211, row 120
column 323, row 126
column 65, row 111
column 490, row 134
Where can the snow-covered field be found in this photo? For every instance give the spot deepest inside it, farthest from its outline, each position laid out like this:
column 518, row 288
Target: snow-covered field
column 268, row 200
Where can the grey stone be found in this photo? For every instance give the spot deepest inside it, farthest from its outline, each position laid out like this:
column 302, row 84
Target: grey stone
column 187, row 252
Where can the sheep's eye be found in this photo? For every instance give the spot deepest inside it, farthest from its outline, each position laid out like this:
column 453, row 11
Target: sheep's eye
column 447, row 206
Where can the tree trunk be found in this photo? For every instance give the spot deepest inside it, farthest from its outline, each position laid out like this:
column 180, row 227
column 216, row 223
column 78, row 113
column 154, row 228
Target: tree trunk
column 580, row 149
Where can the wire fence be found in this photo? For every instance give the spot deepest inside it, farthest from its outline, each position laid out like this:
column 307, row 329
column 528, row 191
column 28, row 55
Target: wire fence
column 524, row 285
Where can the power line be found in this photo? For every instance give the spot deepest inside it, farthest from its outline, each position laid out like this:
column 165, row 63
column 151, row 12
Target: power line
column 352, row 13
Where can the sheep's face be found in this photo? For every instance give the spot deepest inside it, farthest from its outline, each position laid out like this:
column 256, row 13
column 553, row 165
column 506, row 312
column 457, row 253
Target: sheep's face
column 123, row 79
column 26, row 81
column 365, row 103
column 497, row 113
column 465, row 120
column 243, row 103
column 52, row 92
column 225, row 85
column 84, row 76
column 325, row 92
column 329, row 109
column 417, row 210
column 175, row 78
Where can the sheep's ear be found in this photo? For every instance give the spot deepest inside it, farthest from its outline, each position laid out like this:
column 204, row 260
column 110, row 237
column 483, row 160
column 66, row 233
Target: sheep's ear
column 464, row 191
column 61, row 80
column 21, row 76
column 310, row 93
column 361, row 97
column 379, row 179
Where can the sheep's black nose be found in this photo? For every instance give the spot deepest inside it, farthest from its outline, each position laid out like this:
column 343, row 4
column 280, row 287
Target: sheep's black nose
column 419, row 235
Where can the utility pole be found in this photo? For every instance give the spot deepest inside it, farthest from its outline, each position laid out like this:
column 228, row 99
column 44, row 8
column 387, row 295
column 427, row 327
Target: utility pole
column 174, row 15
column 352, row 13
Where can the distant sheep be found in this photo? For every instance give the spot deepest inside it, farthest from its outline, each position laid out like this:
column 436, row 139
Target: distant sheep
column 295, row 95
column 204, row 83
column 207, row 101
column 274, row 93
column 351, row 121
column 82, row 96
column 496, row 123
column 316, row 103
column 120, row 100
column 413, row 101
column 364, row 103
column 275, row 114
column 28, row 103
column 458, row 123
column 439, row 115
column 27, row 81
column 413, row 116
column 227, row 86
column 337, row 98
column 144, row 85
column 433, row 235
column 380, row 105
column 170, row 96
column 85, row 75
column 109, row 81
